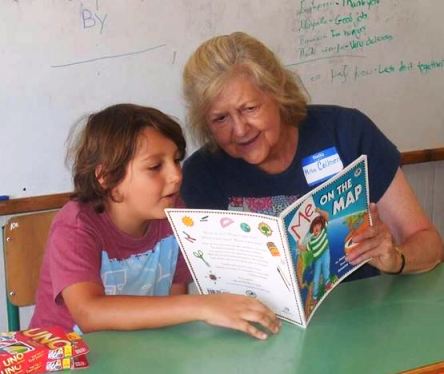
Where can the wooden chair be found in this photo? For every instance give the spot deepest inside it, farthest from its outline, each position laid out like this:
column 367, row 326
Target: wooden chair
column 24, row 240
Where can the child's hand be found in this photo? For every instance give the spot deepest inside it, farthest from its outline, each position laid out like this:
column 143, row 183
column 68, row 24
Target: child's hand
column 237, row 312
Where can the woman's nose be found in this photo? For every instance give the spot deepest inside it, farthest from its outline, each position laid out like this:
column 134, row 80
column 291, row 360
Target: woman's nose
column 240, row 126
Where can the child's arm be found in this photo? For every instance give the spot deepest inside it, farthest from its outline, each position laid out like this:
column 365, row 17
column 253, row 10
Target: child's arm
column 92, row 310
column 323, row 214
column 179, row 289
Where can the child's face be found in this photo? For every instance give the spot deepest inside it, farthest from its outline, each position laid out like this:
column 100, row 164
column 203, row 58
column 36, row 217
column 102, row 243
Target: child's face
column 317, row 229
column 151, row 183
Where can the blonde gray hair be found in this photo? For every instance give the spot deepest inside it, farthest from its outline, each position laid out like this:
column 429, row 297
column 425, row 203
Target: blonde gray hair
column 223, row 57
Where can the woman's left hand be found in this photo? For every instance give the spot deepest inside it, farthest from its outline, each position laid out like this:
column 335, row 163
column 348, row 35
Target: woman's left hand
column 376, row 243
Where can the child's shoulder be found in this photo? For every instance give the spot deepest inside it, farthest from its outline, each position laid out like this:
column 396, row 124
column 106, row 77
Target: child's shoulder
column 75, row 213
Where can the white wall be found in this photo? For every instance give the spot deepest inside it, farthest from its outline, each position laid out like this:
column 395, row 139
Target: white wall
column 63, row 59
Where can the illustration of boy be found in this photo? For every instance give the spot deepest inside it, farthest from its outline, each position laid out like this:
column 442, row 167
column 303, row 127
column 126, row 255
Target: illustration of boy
column 318, row 246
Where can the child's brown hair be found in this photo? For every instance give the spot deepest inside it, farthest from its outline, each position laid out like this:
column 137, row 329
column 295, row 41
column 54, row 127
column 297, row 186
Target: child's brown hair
column 108, row 143
column 319, row 220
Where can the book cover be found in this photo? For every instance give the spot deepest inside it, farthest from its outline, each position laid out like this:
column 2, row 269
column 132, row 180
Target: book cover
column 290, row 262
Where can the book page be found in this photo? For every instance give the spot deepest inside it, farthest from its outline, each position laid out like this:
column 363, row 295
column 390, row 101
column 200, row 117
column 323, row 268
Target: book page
column 319, row 227
column 238, row 252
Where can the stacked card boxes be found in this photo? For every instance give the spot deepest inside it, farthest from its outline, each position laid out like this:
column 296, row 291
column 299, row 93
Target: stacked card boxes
column 40, row 350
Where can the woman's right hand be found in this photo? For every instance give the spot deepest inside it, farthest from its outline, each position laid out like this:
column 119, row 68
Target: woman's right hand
column 239, row 313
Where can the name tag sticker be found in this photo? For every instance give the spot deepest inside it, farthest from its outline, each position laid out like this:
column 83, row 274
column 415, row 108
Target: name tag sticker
column 321, row 165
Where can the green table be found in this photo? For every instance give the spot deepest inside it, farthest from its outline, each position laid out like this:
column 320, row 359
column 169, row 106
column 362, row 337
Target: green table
column 379, row 325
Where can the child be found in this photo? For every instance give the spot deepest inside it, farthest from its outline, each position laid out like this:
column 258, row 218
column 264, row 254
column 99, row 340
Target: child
column 110, row 261
column 319, row 248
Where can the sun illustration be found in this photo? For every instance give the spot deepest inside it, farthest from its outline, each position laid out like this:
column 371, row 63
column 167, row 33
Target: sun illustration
column 187, row 221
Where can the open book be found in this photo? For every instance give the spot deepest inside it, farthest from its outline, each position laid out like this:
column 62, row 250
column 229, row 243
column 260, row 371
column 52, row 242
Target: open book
column 290, row 262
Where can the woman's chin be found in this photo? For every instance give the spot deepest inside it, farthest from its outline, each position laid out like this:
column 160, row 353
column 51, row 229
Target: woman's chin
column 251, row 156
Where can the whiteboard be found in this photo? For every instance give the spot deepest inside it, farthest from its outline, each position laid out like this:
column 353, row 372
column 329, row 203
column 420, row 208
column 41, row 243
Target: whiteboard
column 62, row 59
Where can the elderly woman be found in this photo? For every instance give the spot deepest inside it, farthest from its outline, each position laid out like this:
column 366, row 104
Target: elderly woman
column 258, row 132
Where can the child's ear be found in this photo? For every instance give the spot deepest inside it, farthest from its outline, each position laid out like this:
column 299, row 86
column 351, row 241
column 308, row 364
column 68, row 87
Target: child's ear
column 99, row 176
column 114, row 193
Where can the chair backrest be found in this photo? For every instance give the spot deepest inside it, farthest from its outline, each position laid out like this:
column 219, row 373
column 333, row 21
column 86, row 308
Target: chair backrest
column 24, row 240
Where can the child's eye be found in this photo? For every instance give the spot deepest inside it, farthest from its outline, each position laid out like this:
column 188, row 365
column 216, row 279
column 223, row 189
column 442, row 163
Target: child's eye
column 154, row 167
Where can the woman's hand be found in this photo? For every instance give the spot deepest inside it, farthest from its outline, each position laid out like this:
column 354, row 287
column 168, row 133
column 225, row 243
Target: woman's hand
column 376, row 243
column 239, row 313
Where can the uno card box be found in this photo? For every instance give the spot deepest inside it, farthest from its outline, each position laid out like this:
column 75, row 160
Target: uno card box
column 39, row 350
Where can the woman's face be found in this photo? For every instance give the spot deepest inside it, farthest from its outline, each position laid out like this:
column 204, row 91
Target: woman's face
column 246, row 123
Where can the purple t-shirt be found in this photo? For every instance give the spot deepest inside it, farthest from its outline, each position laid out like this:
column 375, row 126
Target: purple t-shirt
column 84, row 246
